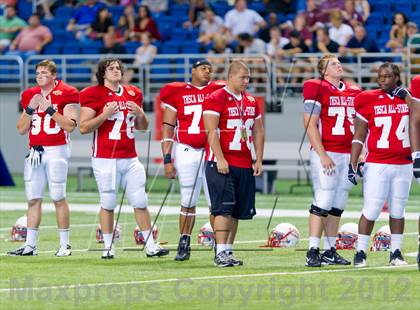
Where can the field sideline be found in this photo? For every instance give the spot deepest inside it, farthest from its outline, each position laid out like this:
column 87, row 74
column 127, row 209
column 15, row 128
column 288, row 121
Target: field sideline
column 269, row 279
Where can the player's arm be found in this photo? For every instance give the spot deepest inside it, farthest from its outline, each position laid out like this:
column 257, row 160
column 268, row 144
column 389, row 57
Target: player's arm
column 25, row 120
column 66, row 123
column 89, row 121
column 415, row 125
column 310, row 121
column 259, row 138
column 211, row 123
column 169, row 121
column 360, row 132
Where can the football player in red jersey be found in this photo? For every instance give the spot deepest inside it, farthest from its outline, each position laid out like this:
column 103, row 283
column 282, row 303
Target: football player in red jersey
column 50, row 114
column 113, row 112
column 415, row 138
column 328, row 117
column 383, row 113
column 234, row 123
column 182, row 117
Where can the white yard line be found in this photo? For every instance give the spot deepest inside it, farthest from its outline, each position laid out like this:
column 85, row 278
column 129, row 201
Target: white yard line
column 236, row 276
column 174, row 210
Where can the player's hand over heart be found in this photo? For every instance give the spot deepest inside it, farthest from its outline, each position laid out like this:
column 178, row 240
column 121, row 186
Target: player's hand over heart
column 110, row 109
column 44, row 103
column 34, row 103
column 133, row 108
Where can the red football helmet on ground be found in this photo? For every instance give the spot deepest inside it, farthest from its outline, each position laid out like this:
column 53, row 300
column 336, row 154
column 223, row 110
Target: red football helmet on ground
column 382, row 239
column 347, row 237
column 100, row 236
column 206, row 235
column 19, row 230
column 284, row 235
column 138, row 236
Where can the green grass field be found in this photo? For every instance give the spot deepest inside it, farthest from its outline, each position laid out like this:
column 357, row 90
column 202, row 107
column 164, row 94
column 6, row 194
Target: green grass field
column 269, row 279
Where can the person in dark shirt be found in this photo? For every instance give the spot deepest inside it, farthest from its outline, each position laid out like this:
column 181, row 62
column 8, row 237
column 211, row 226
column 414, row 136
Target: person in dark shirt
column 323, row 43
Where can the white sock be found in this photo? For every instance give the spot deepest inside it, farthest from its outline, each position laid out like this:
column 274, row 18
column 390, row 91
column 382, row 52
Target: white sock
column 314, row 242
column 362, row 242
column 229, row 247
column 107, row 240
column 31, row 237
column 329, row 242
column 396, row 242
column 149, row 240
column 220, row 248
column 64, row 237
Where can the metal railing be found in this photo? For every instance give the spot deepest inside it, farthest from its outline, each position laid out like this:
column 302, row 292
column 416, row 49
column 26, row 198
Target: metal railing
column 11, row 72
column 268, row 77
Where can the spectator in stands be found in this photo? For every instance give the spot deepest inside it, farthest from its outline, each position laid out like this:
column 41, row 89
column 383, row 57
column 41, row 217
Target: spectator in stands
column 145, row 23
column 323, row 43
column 31, row 39
column 331, row 5
column 145, row 54
column 196, row 13
column 102, row 27
column 210, row 27
column 298, row 24
column 275, row 46
column 83, row 17
column 156, row 6
column 339, row 32
column 350, row 15
column 8, row 2
column 272, row 22
column 250, row 45
column 363, row 8
column 220, row 47
column 412, row 29
column 398, row 32
column 359, row 43
column 10, row 24
column 122, row 31
column 131, row 18
column 296, row 45
column 242, row 20
column 314, row 17
column 280, row 6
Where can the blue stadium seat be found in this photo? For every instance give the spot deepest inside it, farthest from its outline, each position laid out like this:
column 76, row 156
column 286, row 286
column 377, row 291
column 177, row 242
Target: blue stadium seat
column 376, row 18
column 178, row 34
column 171, row 47
column 382, row 6
column 161, row 61
column 71, row 49
column 24, row 9
column 190, row 47
column 64, row 13
column 257, row 6
column 131, row 47
column 53, row 24
column 52, row 49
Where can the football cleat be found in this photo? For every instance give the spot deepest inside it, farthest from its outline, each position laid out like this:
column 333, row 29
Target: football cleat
column 313, row 259
column 331, row 257
column 396, row 259
column 359, row 259
column 26, row 250
column 184, row 250
column 63, row 251
column 223, row 260
column 156, row 251
column 235, row 262
column 108, row 254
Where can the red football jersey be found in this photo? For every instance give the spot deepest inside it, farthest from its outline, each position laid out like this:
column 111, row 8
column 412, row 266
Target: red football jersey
column 337, row 112
column 45, row 131
column 115, row 137
column 387, row 117
column 415, row 87
column 187, row 100
column 235, row 114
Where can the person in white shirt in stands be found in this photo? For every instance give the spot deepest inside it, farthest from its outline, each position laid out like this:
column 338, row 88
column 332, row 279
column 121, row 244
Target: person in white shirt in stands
column 339, row 32
column 242, row 20
column 210, row 26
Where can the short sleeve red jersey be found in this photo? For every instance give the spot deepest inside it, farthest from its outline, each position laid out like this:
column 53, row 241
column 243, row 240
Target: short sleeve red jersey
column 115, row 137
column 235, row 115
column 415, row 87
column 337, row 112
column 387, row 118
column 44, row 130
column 187, row 100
